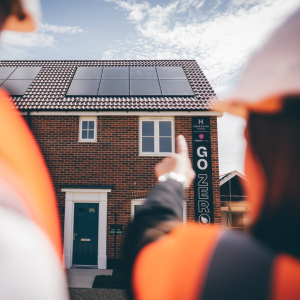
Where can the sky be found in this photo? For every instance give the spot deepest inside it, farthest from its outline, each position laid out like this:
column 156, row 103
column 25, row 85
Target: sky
column 220, row 35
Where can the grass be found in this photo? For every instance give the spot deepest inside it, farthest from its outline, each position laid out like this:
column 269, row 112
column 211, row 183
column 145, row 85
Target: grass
column 109, row 282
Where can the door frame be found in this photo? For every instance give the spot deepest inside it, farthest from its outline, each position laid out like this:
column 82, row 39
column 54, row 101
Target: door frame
column 85, row 196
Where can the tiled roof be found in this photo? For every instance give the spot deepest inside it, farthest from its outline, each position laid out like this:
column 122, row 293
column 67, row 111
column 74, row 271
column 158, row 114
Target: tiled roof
column 47, row 92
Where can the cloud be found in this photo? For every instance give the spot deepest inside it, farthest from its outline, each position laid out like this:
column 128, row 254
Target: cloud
column 17, row 45
column 61, row 29
column 220, row 36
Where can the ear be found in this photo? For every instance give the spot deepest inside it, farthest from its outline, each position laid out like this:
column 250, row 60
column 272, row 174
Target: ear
column 13, row 23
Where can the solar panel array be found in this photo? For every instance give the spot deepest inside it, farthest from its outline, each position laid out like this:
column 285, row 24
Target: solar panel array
column 17, row 80
column 129, row 81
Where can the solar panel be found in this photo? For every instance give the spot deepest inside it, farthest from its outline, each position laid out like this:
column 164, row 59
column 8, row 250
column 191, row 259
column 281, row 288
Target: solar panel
column 115, row 73
column 143, row 73
column 88, row 73
column 25, row 73
column 6, row 71
column 83, row 88
column 16, row 87
column 114, row 88
column 144, row 87
column 170, row 73
column 176, row 88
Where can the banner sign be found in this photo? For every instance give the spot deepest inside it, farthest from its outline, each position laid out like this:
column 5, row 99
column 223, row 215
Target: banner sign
column 202, row 165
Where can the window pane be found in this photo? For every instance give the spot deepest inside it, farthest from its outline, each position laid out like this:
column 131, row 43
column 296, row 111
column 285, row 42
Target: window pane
column 136, row 208
column 84, row 124
column 84, row 134
column 147, row 144
column 165, row 145
column 91, row 124
column 148, row 128
column 91, row 134
column 165, row 128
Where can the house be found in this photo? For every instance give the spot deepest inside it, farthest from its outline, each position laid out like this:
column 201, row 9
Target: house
column 234, row 204
column 102, row 126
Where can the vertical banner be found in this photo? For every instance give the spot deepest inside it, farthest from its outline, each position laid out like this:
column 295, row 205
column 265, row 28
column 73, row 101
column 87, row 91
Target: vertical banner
column 202, row 165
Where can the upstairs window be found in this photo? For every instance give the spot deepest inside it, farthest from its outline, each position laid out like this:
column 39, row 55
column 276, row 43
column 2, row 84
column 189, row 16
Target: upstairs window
column 156, row 136
column 87, row 129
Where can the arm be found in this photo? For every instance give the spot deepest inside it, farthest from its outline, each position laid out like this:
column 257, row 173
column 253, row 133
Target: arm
column 162, row 210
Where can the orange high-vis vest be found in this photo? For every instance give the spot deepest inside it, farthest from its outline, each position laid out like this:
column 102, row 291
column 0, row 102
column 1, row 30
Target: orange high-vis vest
column 23, row 168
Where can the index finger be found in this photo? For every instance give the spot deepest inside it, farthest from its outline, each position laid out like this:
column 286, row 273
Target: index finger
column 182, row 145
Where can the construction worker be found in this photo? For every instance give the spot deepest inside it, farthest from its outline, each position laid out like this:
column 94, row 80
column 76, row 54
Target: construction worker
column 30, row 237
column 166, row 260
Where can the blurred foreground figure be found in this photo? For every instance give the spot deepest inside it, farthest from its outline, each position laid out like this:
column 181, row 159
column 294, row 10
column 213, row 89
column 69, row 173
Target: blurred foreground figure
column 165, row 260
column 30, row 246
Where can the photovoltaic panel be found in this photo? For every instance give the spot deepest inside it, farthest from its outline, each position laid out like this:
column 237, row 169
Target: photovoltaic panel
column 115, row 73
column 83, row 88
column 6, row 71
column 143, row 73
column 88, row 73
column 114, row 88
column 144, row 87
column 25, row 73
column 16, row 87
column 176, row 88
column 170, row 73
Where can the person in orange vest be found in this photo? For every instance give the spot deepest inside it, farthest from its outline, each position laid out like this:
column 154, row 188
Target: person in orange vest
column 30, row 236
column 167, row 260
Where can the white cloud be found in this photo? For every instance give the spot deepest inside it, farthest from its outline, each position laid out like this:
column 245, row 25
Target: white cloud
column 220, row 40
column 18, row 45
column 61, row 29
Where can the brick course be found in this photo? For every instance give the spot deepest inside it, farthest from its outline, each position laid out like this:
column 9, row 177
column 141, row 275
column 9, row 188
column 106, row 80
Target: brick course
column 113, row 160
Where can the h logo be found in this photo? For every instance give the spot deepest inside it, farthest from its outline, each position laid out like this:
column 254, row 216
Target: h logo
column 200, row 121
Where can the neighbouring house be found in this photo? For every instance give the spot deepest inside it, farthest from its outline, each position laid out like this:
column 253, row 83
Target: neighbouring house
column 234, row 204
column 102, row 126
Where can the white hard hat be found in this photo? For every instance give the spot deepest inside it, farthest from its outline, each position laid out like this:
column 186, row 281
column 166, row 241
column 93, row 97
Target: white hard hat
column 273, row 72
column 32, row 12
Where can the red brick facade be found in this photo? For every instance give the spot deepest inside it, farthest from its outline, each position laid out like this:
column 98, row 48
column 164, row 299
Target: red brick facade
column 113, row 160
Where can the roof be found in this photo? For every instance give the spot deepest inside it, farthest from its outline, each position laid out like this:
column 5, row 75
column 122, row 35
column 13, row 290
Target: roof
column 48, row 90
column 225, row 177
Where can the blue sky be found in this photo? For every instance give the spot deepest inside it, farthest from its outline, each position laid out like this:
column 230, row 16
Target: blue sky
column 220, row 35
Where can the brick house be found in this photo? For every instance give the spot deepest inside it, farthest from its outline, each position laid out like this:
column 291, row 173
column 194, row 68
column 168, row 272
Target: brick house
column 102, row 136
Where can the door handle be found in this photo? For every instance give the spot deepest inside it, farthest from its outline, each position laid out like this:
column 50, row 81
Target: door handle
column 74, row 234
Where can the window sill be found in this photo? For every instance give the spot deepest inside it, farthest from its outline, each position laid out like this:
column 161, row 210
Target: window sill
column 155, row 154
column 87, row 141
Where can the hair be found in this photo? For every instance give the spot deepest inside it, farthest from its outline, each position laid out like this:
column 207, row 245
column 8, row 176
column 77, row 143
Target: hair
column 11, row 7
column 275, row 142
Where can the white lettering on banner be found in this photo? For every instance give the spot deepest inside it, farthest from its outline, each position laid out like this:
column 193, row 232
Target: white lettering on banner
column 203, row 192
column 200, row 121
column 204, row 152
column 202, row 180
column 202, row 160
column 204, row 219
column 203, row 206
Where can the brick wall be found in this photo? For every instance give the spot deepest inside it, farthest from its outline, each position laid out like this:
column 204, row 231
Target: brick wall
column 113, row 160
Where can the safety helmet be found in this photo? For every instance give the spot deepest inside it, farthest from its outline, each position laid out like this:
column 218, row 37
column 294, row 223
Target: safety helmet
column 32, row 15
column 273, row 72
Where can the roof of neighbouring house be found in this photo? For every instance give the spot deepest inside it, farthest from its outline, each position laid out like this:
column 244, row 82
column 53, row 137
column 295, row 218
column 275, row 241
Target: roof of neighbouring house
column 225, row 177
column 48, row 90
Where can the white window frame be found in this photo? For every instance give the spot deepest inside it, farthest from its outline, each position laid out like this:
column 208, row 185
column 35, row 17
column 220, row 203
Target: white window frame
column 156, row 136
column 94, row 140
column 142, row 201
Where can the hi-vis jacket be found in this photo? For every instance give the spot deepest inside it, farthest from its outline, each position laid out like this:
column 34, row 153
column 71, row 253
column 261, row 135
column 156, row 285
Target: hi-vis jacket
column 30, row 243
column 167, row 260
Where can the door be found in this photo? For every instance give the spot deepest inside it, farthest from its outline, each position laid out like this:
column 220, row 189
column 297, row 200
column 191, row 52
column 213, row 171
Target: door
column 85, row 235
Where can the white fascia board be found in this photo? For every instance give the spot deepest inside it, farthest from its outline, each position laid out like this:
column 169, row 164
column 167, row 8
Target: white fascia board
column 127, row 113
